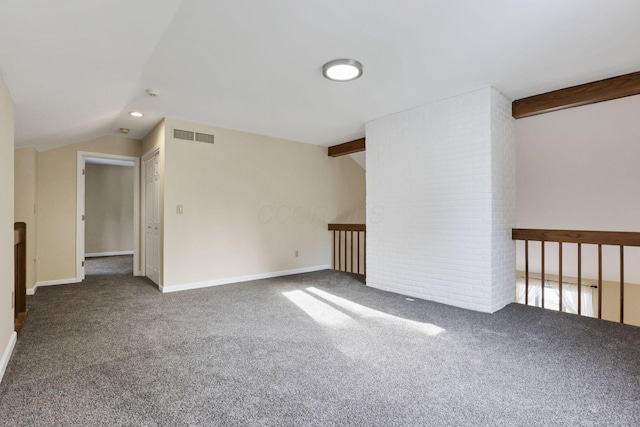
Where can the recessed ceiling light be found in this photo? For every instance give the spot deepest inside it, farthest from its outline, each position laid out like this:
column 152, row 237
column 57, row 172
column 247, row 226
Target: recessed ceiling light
column 135, row 114
column 124, row 130
column 342, row 70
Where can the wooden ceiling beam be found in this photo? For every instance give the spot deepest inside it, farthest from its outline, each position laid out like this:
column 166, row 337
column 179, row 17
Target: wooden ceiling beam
column 575, row 96
column 347, row 148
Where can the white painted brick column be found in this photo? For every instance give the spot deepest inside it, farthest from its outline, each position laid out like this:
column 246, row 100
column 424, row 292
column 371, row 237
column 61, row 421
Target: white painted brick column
column 440, row 201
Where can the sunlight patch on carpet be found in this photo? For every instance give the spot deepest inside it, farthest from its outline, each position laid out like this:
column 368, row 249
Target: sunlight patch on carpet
column 369, row 313
column 319, row 311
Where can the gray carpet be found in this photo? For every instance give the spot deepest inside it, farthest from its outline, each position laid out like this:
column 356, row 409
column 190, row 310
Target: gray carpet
column 317, row 349
column 107, row 265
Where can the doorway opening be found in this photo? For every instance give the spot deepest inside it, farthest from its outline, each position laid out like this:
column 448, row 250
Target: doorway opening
column 108, row 216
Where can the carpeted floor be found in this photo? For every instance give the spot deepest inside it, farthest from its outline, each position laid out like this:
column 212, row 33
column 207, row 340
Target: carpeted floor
column 108, row 265
column 317, row 349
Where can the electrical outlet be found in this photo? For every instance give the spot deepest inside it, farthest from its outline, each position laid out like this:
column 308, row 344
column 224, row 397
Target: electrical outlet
column 297, row 253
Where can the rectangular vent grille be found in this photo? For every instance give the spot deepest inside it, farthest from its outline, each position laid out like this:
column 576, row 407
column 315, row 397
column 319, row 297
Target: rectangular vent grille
column 183, row 134
column 188, row 135
column 204, row 137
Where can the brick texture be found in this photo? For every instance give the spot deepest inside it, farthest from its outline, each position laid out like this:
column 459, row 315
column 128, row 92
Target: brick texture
column 503, row 176
column 440, row 201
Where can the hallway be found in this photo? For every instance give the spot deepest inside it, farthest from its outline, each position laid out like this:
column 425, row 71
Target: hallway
column 121, row 265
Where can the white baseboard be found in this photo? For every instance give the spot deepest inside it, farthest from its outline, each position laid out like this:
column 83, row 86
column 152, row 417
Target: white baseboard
column 32, row 291
column 237, row 279
column 97, row 254
column 6, row 355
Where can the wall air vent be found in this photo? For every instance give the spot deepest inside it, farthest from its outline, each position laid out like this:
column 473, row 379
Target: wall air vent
column 183, row 134
column 188, row 135
column 204, row 137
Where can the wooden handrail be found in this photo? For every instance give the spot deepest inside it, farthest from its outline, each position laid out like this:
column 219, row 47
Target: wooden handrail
column 579, row 237
column 347, row 227
column 615, row 238
column 352, row 242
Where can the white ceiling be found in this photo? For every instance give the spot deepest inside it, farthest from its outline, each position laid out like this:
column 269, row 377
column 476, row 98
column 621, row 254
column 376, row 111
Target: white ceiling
column 75, row 68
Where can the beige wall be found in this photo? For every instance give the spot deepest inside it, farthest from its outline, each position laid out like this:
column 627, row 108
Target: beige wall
column 611, row 302
column 108, row 208
column 250, row 202
column 56, row 201
column 578, row 169
column 155, row 138
column 25, row 203
column 6, row 218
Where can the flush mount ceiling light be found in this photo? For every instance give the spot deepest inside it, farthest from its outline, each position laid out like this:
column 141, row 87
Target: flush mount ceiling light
column 135, row 114
column 342, row 70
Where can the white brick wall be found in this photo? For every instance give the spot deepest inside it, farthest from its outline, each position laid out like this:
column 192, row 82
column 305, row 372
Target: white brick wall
column 432, row 202
column 503, row 155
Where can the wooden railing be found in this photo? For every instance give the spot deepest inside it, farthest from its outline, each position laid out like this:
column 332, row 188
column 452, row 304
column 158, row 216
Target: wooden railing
column 598, row 238
column 20, row 286
column 349, row 247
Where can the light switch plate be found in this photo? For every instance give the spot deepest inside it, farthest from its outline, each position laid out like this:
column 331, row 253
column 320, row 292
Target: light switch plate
column 179, row 209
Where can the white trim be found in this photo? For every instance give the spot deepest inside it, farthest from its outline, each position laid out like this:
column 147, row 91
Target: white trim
column 229, row 280
column 80, row 198
column 110, row 162
column 6, row 355
column 98, row 254
column 80, row 195
column 149, row 154
column 32, row 291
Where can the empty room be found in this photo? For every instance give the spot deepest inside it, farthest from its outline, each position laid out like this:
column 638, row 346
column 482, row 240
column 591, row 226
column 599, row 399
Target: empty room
column 337, row 213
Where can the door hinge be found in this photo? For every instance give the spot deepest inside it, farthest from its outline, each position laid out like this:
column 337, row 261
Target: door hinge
column 83, row 217
column 82, row 171
column 83, row 263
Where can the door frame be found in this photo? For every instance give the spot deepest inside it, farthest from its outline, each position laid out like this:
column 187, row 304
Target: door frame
column 80, row 208
column 143, row 217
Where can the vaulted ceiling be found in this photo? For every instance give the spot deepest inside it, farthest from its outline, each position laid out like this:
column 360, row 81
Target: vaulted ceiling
column 76, row 68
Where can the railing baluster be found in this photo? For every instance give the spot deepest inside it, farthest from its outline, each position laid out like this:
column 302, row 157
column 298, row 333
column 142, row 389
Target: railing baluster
column 599, row 281
column 333, row 253
column 365, row 252
column 598, row 238
column 339, row 250
column 358, row 251
column 579, row 279
column 560, row 308
column 352, row 250
column 621, row 284
column 526, row 272
column 344, row 250
column 351, row 269
column 542, row 281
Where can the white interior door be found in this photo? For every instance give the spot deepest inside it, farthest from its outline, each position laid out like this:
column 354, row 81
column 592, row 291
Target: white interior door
column 152, row 219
